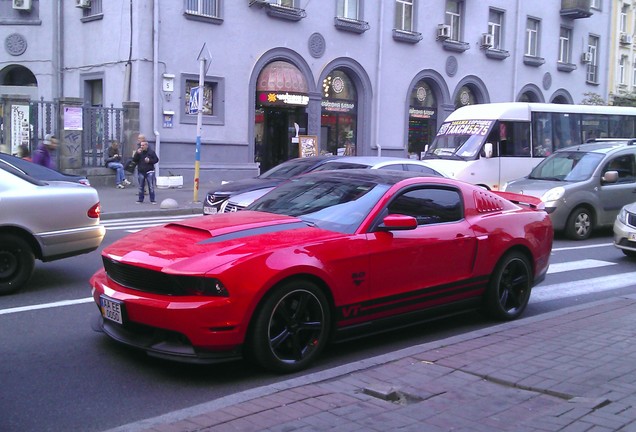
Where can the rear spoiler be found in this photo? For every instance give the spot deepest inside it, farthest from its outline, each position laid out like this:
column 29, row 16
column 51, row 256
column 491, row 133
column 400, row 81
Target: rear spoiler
column 527, row 200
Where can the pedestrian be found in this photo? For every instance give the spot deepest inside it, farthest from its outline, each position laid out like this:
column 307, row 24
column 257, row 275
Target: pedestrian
column 24, row 152
column 113, row 161
column 42, row 154
column 146, row 158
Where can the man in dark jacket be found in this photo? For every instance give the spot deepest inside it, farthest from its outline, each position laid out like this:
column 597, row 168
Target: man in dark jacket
column 146, row 158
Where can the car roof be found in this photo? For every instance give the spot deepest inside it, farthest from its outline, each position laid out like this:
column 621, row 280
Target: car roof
column 37, row 171
column 598, row 147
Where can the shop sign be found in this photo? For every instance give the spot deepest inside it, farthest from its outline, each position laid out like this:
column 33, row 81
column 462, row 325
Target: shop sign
column 272, row 98
column 421, row 113
column 338, row 106
column 465, row 127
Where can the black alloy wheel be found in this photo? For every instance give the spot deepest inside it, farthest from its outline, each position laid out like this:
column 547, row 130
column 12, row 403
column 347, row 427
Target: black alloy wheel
column 509, row 288
column 16, row 263
column 291, row 327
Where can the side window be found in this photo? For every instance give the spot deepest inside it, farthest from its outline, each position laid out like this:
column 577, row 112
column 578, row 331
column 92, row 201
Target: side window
column 625, row 166
column 429, row 205
column 514, row 139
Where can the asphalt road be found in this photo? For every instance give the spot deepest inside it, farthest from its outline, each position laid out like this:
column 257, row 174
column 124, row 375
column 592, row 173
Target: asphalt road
column 57, row 373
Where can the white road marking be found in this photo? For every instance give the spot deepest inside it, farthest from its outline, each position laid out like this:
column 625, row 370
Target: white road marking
column 578, row 265
column 45, row 305
column 582, row 247
column 543, row 293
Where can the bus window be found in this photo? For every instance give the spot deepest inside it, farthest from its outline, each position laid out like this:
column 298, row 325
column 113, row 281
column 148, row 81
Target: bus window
column 594, row 126
column 566, row 131
column 542, row 134
column 514, row 139
column 621, row 126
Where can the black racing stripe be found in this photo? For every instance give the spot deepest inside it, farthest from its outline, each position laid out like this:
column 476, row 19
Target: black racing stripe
column 414, row 297
column 254, row 231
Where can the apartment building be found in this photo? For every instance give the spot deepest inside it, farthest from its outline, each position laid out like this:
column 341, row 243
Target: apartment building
column 360, row 77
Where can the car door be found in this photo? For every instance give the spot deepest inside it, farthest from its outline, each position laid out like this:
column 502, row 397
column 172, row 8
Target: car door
column 426, row 266
column 613, row 196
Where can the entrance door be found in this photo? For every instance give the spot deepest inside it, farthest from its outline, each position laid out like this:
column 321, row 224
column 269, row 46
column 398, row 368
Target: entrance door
column 279, row 128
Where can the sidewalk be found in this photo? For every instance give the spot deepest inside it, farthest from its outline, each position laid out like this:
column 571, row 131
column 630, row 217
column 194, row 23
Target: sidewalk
column 569, row 370
column 121, row 203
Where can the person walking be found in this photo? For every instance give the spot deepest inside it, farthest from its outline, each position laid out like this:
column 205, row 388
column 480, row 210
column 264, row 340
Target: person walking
column 42, row 154
column 113, row 161
column 146, row 158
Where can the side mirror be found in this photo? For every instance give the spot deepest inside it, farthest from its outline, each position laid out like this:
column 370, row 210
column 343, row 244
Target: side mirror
column 488, row 150
column 398, row 222
column 610, row 177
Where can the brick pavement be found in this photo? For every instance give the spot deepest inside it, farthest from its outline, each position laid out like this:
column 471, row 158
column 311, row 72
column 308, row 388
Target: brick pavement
column 570, row 370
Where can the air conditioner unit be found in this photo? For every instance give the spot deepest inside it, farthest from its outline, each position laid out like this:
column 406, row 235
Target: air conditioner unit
column 443, row 31
column 626, row 38
column 85, row 4
column 586, row 57
column 487, row 40
column 21, row 4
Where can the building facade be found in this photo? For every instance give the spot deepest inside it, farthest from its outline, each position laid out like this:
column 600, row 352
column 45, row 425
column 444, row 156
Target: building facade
column 357, row 77
column 622, row 71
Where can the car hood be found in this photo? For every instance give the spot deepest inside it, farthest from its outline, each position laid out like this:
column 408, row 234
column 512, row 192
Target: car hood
column 246, row 185
column 198, row 245
column 533, row 187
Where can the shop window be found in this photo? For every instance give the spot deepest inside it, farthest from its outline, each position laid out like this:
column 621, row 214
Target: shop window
column 465, row 96
column 339, row 114
column 213, row 109
column 422, row 119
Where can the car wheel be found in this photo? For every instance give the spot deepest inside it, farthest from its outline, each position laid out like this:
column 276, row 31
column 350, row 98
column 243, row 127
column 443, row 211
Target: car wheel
column 579, row 224
column 629, row 253
column 291, row 327
column 509, row 288
column 16, row 263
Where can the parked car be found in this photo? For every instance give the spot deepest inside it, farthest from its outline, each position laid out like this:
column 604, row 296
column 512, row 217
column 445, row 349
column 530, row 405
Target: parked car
column 47, row 220
column 324, row 257
column 625, row 230
column 240, row 201
column 215, row 198
column 583, row 187
column 40, row 172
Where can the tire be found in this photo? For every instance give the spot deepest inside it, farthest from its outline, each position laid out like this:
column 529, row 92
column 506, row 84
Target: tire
column 16, row 263
column 509, row 288
column 579, row 224
column 290, row 328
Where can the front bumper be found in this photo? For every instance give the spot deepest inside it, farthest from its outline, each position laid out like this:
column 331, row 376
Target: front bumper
column 185, row 329
column 624, row 236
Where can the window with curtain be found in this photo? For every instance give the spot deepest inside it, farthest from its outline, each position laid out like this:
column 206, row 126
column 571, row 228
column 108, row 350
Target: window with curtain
column 404, row 15
column 205, row 8
column 495, row 27
column 348, row 9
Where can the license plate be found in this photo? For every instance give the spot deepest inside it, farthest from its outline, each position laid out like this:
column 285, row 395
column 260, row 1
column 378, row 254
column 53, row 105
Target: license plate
column 209, row 210
column 112, row 309
column 631, row 237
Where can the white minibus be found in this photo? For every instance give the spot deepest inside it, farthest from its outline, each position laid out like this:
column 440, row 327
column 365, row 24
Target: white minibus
column 490, row 144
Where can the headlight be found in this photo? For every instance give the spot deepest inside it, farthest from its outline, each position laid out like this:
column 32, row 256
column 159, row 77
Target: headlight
column 622, row 216
column 553, row 194
column 201, row 286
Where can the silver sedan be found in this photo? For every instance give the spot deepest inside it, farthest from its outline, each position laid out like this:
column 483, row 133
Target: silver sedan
column 47, row 220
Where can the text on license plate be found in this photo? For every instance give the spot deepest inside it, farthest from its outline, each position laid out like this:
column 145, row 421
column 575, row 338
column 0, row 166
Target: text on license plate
column 111, row 309
column 631, row 236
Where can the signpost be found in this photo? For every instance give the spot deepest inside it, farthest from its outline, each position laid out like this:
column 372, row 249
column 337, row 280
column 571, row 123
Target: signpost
column 197, row 94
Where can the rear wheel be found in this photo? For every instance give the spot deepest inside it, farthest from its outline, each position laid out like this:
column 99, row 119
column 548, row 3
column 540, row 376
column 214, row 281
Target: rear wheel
column 16, row 263
column 509, row 288
column 579, row 224
column 291, row 327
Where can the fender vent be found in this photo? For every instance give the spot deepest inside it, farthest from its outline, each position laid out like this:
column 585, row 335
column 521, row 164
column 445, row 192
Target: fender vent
column 486, row 202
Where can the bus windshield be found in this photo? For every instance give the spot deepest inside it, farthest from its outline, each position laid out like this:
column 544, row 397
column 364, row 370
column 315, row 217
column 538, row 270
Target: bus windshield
column 461, row 139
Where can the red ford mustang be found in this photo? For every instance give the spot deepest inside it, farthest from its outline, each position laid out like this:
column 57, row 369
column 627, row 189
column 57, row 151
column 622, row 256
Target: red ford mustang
column 324, row 257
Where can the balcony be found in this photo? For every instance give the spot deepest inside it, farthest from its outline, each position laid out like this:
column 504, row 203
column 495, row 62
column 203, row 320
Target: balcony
column 575, row 9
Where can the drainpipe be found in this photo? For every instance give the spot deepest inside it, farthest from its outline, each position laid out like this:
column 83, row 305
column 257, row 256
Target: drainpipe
column 155, row 82
column 58, row 53
column 378, row 81
column 128, row 69
column 516, row 50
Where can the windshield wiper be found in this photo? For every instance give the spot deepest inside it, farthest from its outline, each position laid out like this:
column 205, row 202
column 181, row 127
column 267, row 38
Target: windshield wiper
column 545, row 178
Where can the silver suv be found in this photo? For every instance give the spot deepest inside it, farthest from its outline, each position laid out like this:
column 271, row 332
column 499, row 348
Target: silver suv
column 583, row 187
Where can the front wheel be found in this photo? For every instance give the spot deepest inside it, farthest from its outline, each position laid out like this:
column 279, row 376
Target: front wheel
column 291, row 327
column 16, row 263
column 509, row 288
column 579, row 224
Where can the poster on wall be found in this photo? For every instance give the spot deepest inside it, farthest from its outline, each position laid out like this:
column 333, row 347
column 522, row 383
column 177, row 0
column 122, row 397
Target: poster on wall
column 307, row 145
column 73, row 118
column 20, row 128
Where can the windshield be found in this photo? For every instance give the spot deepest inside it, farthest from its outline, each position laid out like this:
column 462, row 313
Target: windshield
column 570, row 166
column 289, row 169
column 460, row 139
column 332, row 204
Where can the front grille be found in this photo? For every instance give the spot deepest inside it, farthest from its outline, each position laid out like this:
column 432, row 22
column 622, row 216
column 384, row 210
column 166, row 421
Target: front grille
column 631, row 219
column 146, row 280
column 232, row 208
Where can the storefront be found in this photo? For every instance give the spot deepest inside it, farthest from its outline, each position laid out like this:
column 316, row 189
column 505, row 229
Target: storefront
column 281, row 113
column 422, row 119
column 339, row 114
